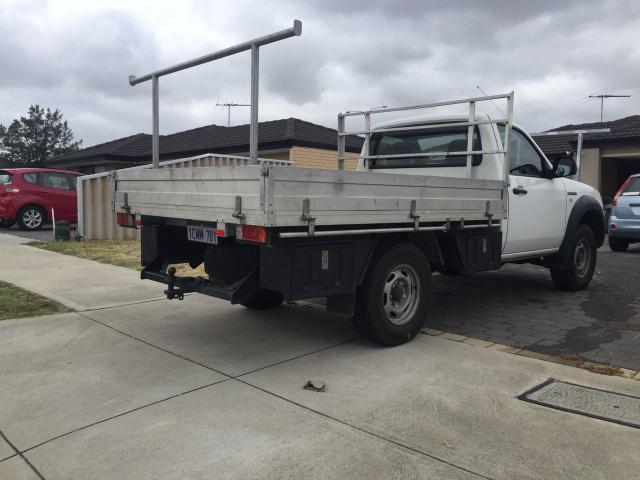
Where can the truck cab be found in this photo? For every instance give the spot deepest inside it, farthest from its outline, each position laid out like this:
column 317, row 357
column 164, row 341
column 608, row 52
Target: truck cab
column 540, row 195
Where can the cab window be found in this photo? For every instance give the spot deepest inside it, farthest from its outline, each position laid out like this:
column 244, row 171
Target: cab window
column 432, row 140
column 524, row 159
column 55, row 180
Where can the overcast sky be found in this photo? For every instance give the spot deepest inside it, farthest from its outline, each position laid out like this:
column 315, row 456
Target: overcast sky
column 353, row 54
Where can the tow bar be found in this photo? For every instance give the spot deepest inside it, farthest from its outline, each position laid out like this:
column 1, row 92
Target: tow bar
column 173, row 292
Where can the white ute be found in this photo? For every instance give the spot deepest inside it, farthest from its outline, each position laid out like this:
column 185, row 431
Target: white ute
column 441, row 194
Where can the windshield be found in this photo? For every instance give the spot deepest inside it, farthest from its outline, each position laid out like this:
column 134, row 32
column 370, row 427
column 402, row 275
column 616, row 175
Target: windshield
column 5, row 178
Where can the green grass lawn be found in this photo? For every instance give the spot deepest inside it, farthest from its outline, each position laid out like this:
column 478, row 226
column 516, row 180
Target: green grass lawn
column 17, row 303
column 124, row 253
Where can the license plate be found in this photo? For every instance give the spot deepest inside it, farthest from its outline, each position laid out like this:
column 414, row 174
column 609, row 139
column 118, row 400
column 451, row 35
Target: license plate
column 202, row 233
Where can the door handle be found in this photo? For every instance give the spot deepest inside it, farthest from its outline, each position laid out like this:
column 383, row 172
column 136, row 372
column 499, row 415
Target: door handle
column 519, row 190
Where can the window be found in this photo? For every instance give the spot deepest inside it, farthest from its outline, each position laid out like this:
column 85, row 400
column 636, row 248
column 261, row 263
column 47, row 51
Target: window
column 524, row 159
column 55, row 180
column 5, row 178
column 30, row 177
column 73, row 181
column 632, row 188
column 423, row 141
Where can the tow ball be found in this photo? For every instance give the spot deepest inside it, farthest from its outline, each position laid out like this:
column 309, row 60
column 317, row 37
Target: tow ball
column 173, row 291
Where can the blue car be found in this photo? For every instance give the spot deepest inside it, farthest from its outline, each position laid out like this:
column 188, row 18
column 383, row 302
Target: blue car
column 624, row 225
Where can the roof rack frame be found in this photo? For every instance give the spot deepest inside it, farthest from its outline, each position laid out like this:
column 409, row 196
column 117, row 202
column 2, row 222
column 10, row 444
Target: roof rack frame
column 471, row 123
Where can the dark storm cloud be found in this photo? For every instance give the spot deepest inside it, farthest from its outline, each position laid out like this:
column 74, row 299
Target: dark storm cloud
column 352, row 54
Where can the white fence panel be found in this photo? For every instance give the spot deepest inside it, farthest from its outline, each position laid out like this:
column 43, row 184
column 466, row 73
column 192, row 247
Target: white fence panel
column 96, row 208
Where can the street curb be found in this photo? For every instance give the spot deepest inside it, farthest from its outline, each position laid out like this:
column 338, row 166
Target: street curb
column 568, row 360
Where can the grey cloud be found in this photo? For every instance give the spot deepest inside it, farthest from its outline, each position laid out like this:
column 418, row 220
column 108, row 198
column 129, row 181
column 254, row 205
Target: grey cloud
column 352, row 54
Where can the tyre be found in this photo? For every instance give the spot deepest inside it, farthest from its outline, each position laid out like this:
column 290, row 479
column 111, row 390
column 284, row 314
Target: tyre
column 227, row 264
column 618, row 244
column 264, row 300
column 6, row 223
column 392, row 302
column 31, row 217
column 576, row 270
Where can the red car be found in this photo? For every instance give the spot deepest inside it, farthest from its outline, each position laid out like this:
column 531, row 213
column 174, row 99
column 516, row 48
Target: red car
column 28, row 196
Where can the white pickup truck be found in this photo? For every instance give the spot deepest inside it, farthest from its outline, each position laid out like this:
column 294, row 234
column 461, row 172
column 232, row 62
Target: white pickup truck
column 430, row 194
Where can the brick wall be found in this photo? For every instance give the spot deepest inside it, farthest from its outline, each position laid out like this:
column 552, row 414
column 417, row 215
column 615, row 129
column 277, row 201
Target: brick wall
column 319, row 158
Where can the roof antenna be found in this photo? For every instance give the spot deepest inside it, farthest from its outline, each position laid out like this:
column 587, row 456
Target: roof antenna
column 494, row 103
column 603, row 96
column 228, row 106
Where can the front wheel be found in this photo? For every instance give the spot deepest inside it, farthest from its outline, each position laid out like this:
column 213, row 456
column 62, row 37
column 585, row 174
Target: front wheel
column 618, row 244
column 392, row 302
column 576, row 270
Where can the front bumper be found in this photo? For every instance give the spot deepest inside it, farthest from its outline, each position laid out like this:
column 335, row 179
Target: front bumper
column 627, row 228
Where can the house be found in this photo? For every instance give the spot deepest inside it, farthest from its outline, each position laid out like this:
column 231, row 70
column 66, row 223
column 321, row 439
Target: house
column 607, row 158
column 306, row 144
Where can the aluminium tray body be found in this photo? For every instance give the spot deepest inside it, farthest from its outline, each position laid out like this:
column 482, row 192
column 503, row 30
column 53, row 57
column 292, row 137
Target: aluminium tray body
column 273, row 196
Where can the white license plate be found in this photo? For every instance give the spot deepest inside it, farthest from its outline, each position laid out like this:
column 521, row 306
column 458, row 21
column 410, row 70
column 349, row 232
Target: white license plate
column 202, row 233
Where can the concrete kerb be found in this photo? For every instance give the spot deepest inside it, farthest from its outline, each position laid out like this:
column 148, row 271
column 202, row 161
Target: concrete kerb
column 568, row 360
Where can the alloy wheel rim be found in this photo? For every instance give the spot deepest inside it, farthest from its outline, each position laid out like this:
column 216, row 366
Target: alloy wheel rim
column 401, row 294
column 32, row 218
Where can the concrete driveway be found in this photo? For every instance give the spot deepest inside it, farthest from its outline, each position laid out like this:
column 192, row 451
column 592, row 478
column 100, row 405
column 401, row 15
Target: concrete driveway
column 203, row 389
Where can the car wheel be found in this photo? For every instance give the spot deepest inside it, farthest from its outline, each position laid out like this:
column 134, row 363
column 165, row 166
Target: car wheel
column 618, row 244
column 264, row 300
column 392, row 302
column 576, row 270
column 6, row 223
column 31, row 218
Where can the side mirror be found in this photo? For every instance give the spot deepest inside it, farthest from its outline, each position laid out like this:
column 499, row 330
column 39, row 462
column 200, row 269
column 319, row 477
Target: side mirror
column 564, row 167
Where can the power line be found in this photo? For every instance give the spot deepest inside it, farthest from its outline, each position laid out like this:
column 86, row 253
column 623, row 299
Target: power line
column 602, row 97
column 494, row 103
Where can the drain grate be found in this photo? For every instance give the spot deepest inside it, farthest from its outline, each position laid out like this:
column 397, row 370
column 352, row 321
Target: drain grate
column 592, row 402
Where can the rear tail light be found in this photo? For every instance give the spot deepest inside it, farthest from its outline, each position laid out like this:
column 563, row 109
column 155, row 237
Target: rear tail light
column 252, row 233
column 619, row 192
column 129, row 220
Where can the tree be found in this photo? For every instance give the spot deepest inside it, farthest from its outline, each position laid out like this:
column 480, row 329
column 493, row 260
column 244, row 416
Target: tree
column 29, row 141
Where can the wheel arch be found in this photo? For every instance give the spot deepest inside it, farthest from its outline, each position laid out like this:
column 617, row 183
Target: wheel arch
column 586, row 211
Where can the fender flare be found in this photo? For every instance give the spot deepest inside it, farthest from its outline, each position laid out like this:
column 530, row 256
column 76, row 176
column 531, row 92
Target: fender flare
column 588, row 208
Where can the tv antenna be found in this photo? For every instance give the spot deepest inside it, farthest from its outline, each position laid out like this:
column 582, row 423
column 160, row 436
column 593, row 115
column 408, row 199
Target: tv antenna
column 228, row 105
column 602, row 96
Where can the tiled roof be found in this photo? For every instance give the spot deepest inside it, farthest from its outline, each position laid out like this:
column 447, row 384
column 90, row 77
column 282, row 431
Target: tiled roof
column 216, row 138
column 555, row 144
column 623, row 130
column 132, row 146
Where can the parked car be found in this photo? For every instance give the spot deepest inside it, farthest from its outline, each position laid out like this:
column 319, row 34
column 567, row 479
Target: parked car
column 624, row 224
column 31, row 196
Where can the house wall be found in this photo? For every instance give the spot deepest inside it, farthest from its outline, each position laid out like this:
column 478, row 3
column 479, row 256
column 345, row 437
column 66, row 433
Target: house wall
column 605, row 168
column 320, row 158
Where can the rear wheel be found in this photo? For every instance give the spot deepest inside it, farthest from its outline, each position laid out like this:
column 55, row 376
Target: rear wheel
column 576, row 270
column 618, row 244
column 31, row 218
column 392, row 302
column 263, row 300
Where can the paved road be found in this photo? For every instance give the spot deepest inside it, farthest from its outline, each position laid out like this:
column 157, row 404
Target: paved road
column 203, row 389
column 519, row 306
